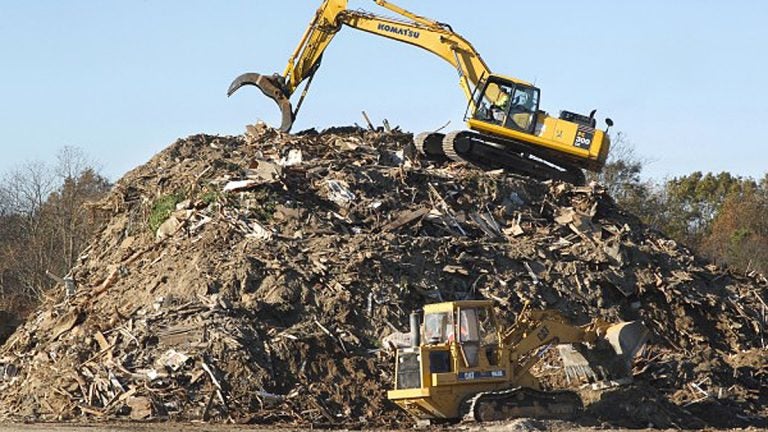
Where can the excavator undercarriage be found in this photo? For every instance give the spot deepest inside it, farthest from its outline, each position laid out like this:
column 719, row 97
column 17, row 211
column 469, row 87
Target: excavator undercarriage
column 488, row 152
column 521, row 402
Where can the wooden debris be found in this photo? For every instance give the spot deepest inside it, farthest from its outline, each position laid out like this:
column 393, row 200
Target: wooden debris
column 288, row 257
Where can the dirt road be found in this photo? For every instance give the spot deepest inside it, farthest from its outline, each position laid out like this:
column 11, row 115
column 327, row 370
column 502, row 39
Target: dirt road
column 514, row 426
column 125, row 427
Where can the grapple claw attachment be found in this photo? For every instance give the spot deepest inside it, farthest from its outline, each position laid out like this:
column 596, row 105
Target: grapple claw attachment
column 272, row 87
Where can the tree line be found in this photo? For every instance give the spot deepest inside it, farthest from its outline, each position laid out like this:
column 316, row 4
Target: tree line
column 719, row 216
column 44, row 224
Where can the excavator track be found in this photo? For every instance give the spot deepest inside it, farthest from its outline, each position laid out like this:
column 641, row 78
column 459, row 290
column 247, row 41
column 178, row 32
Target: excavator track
column 488, row 152
column 429, row 144
column 522, row 402
column 419, row 141
column 452, row 146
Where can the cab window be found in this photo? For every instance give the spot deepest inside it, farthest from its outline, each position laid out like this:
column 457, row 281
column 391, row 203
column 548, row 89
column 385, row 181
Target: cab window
column 493, row 102
column 522, row 108
column 468, row 330
column 507, row 104
column 438, row 328
column 476, row 325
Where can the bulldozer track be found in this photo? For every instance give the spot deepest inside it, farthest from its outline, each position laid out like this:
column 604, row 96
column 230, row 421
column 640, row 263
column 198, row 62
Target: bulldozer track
column 521, row 402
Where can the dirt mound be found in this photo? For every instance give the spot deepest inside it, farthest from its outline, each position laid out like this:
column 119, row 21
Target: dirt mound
column 251, row 278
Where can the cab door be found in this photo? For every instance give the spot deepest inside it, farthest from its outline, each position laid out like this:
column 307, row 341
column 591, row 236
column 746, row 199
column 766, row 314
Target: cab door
column 477, row 346
column 523, row 106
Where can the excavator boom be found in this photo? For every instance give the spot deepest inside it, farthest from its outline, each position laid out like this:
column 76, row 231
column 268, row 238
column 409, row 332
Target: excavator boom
column 332, row 15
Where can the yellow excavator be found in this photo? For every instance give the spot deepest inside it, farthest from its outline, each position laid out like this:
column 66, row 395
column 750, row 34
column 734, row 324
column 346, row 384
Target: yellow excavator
column 458, row 363
column 507, row 128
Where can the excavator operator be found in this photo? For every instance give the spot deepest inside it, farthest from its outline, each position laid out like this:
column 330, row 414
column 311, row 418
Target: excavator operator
column 520, row 114
column 499, row 108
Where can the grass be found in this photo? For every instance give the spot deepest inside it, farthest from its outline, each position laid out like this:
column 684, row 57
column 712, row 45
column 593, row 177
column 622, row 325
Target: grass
column 268, row 204
column 210, row 196
column 162, row 210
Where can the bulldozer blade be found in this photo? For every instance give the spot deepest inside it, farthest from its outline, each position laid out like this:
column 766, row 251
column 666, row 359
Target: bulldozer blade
column 578, row 368
column 602, row 363
column 272, row 87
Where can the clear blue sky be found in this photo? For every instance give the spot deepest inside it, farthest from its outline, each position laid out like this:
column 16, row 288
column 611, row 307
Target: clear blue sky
column 685, row 80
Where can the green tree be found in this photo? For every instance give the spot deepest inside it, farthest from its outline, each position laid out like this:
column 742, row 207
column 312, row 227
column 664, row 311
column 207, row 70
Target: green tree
column 621, row 176
column 691, row 203
column 621, row 173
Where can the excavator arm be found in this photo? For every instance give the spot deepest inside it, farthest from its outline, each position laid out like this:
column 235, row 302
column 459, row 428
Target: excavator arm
column 435, row 37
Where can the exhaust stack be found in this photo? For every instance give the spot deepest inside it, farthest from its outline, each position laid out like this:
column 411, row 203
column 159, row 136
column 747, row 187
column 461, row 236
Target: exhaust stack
column 415, row 330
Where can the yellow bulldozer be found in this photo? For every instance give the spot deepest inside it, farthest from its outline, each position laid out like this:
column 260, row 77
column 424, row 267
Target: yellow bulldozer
column 507, row 129
column 460, row 363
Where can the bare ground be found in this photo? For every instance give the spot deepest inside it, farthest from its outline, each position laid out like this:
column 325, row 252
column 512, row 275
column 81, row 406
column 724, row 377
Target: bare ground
column 523, row 425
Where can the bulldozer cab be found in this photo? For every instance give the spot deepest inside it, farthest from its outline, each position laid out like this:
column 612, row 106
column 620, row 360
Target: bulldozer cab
column 464, row 335
column 455, row 354
column 458, row 350
column 505, row 102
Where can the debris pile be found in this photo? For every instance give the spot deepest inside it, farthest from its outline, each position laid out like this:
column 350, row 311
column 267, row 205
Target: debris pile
column 252, row 278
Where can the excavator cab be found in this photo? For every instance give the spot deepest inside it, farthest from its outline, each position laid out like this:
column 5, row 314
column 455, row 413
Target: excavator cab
column 507, row 103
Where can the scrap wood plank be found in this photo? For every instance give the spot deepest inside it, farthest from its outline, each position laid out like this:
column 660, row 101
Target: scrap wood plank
column 405, row 218
column 90, row 410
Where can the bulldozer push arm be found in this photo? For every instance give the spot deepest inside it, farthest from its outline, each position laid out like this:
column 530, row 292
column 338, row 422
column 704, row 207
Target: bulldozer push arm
column 535, row 329
column 433, row 36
